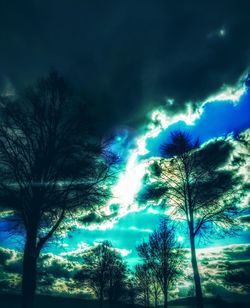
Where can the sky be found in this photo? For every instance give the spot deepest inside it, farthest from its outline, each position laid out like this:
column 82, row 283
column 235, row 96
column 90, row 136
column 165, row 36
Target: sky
column 144, row 69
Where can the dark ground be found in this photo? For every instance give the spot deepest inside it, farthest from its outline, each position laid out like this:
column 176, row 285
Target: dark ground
column 45, row 301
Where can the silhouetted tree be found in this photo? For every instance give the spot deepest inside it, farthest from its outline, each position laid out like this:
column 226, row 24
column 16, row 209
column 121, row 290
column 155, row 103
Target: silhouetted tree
column 155, row 288
column 116, row 279
column 48, row 167
column 143, row 282
column 162, row 256
column 104, row 273
column 194, row 183
column 146, row 288
column 131, row 289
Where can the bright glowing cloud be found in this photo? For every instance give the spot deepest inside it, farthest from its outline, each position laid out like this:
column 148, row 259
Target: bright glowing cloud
column 130, row 180
column 227, row 94
column 153, row 211
column 140, row 230
column 123, row 252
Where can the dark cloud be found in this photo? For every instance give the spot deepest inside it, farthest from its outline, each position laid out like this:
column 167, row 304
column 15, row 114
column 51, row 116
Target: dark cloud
column 217, row 152
column 10, row 265
column 245, row 220
column 56, row 266
column 225, row 271
column 238, row 252
column 55, row 273
column 239, row 274
column 5, row 254
column 126, row 56
column 92, row 218
column 10, row 260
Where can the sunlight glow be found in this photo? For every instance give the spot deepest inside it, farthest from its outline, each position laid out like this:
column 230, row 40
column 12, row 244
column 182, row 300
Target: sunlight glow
column 222, row 32
column 129, row 182
column 180, row 239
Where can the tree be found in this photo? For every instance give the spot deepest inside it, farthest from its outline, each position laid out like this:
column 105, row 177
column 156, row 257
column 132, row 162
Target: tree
column 162, row 256
column 104, row 273
column 198, row 188
column 131, row 289
column 48, row 167
column 143, row 280
column 155, row 288
column 117, row 273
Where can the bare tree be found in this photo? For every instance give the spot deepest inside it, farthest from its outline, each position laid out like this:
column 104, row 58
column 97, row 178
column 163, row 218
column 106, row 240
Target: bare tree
column 162, row 255
column 155, row 288
column 198, row 188
column 143, row 281
column 131, row 289
column 104, row 273
column 117, row 274
column 146, row 287
column 48, row 167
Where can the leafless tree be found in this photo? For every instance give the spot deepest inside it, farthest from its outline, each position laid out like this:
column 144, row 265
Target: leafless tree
column 143, row 281
column 104, row 273
column 197, row 187
column 155, row 288
column 117, row 280
column 162, row 255
column 48, row 167
column 131, row 289
column 146, row 288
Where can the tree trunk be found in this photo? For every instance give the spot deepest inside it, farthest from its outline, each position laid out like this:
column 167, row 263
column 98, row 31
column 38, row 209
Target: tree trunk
column 165, row 295
column 29, row 269
column 147, row 296
column 145, row 299
column 101, row 298
column 156, row 299
column 197, row 281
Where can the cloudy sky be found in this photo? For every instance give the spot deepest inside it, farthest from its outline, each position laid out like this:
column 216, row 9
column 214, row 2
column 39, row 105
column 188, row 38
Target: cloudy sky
column 144, row 68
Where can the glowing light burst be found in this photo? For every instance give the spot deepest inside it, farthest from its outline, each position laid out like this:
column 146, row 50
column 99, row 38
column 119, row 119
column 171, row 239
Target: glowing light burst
column 130, row 181
column 180, row 239
column 222, row 32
